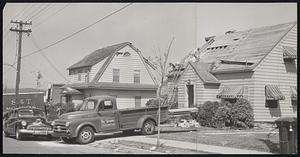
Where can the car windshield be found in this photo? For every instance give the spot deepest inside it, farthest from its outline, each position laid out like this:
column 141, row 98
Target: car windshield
column 88, row 105
column 30, row 112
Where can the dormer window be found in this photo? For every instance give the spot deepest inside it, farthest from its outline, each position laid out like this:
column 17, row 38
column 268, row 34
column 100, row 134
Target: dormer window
column 126, row 54
column 119, row 53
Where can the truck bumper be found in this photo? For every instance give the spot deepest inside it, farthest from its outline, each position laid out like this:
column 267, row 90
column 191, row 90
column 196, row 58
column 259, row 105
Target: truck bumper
column 61, row 133
column 36, row 132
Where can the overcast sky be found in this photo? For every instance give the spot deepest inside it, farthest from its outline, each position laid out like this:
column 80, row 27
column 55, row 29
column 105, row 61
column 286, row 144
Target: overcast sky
column 148, row 26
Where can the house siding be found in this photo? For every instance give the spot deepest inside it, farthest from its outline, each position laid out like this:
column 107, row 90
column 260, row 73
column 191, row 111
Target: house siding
column 127, row 65
column 125, row 99
column 189, row 74
column 273, row 70
column 95, row 68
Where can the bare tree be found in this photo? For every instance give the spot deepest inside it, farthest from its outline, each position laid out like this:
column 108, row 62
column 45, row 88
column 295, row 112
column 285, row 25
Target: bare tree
column 161, row 62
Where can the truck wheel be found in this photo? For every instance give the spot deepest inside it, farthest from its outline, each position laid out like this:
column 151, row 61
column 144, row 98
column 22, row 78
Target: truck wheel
column 19, row 135
column 86, row 135
column 148, row 127
column 68, row 140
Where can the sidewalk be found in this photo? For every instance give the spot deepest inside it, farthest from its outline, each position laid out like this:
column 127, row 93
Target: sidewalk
column 193, row 146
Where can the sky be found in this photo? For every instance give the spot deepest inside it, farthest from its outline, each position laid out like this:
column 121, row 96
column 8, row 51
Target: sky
column 148, row 26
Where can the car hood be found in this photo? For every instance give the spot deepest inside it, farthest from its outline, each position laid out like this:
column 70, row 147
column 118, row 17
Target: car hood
column 33, row 120
column 78, row 114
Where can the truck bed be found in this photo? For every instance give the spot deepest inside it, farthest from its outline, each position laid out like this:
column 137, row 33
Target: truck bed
column 129, row 117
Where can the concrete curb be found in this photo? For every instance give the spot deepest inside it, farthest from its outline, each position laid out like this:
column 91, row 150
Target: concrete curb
column 193, row 146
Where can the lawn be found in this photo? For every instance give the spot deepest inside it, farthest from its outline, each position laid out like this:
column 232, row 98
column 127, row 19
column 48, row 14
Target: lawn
column 235, row 138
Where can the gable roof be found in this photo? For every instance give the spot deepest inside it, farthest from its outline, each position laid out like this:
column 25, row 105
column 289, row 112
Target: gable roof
column 202, row 70
column 245, row 46
column 98, row 55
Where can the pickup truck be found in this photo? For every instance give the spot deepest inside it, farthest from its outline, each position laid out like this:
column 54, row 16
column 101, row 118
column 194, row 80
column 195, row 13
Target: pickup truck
column 99, row 114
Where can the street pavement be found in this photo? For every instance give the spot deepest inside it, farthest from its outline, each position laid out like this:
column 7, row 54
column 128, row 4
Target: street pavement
column 55, row 146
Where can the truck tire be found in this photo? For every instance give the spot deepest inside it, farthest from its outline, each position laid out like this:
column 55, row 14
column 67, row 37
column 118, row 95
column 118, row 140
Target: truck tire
column 86, row 135
column 19, row 135
column 68, row 140
column 148, row 127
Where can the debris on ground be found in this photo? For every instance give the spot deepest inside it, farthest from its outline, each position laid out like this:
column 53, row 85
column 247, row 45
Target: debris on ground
column 187, row 123
column 153, row 148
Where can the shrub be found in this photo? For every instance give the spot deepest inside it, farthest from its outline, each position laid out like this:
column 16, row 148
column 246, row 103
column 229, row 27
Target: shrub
column 222, row 117
column 225, row 114
column 206, row 112
column 242, row 114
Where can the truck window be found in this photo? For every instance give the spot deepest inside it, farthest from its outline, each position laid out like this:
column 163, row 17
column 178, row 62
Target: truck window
column 88, row 105
column 106, row 105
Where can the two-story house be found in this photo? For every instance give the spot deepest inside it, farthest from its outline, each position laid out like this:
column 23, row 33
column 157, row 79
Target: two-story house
column 259, row 64
column 119, row 70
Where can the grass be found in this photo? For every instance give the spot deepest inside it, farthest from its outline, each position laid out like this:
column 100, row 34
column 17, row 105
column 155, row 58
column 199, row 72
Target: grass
column 251, row 141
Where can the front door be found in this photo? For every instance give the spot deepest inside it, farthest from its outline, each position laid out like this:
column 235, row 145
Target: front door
column 108, row 116
column 190, row 94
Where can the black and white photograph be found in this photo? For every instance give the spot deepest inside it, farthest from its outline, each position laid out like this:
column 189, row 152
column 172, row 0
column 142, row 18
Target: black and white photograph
column 149, row 78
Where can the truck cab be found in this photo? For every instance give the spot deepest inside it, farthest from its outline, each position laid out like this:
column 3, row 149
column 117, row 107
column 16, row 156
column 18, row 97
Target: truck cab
column 99, row 114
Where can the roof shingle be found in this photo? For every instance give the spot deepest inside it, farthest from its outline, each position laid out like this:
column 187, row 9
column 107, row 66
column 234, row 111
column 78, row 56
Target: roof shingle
column 98, row 55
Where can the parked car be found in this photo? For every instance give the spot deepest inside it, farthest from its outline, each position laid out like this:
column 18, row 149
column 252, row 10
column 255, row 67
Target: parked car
column 99, row 114
column 20, row 122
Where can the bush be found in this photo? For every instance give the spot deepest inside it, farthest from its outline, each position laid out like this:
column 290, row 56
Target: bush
column 222, row 117
column 242, row 114
column 225, row 114
column 206, row 112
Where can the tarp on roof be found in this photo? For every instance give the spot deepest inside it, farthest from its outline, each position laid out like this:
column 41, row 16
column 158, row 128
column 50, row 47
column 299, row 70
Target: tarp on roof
column 98, row 55
column 273, row 92
column 294, row 92
column 69, row 90
column 231, row 92
column 289, row 52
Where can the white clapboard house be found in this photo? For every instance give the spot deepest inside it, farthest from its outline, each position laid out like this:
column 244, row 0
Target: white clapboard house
column 258, row 64
column 118, row 70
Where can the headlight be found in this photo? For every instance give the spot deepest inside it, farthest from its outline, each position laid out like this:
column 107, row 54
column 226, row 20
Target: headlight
column 68, row 124
column 24, row 123
column 52, row 123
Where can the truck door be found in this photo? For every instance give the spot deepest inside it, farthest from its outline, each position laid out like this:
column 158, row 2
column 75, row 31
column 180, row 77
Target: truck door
column 108, row 116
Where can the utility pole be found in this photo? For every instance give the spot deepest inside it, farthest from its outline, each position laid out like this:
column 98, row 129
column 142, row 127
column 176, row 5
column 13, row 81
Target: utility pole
column 19, row 30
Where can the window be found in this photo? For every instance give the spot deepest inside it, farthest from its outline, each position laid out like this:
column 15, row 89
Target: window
column 88, row 105
column 126, row 54
column 116, row 75
column 79, row 77
column 106, row 105
column 136, row 76
column 272, row 103
column 138, row 101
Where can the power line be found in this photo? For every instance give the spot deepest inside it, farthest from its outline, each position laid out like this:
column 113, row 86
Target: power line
column 46, row 6
column 34, row 10
column 48, row 17
column 27, row 11
column 73, row 34
column 35, row 68
column 48, row 60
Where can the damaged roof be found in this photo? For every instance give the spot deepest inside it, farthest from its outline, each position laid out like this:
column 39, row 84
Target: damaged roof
column 98, row 55
column 244, row 46
column 202, row 70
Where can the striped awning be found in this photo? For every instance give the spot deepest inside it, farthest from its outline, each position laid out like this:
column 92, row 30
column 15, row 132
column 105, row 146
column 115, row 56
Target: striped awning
column 289, row 53
column 231, row 92
column 294, row 92
column 272, row 92
column 69, row 90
